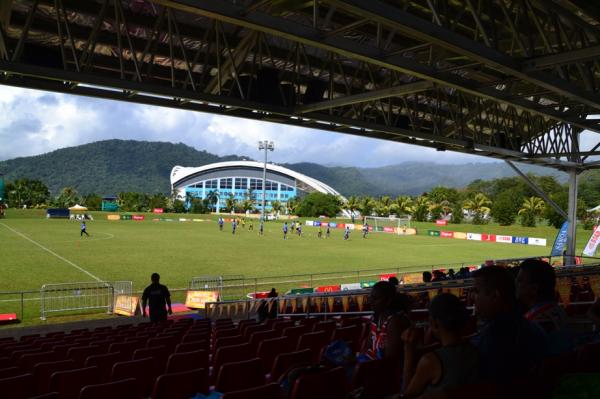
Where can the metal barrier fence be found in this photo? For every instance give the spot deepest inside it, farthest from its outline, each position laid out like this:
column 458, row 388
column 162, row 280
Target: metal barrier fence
column 19, row 302
column 67, row 297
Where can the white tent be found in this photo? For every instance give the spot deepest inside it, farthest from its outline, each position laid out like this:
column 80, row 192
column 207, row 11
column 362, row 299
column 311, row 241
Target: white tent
column 78, row 208
column 594, row 209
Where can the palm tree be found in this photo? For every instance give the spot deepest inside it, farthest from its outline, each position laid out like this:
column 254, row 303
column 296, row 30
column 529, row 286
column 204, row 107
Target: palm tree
column 351, row 204
column 230, row 203
column 292, row 205
column 419, row 210
column 277, row 207
column 479, row 205
column 366, row 206
column 403, row 204
column 531, row 208
column 212, row 197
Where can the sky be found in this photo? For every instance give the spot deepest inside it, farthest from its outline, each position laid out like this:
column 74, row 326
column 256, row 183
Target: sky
column 35, row 122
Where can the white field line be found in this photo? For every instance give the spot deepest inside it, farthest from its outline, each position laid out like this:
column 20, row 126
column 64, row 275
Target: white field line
column 53, row 253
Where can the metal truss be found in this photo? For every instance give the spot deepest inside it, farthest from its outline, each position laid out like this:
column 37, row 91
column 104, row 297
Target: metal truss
column 510, row 79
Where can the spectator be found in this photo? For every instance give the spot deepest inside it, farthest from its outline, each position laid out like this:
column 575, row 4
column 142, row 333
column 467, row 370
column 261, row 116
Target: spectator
column 508, row 345
column 159, row 300
column 438, row 275
column 427, row 277
column 451, row 274
column 394, row 281
column 388, row 322
column 273, row 293
column 454, row 364
column 536, row 290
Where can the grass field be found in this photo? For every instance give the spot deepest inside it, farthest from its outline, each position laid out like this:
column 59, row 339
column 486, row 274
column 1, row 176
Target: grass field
column 35, row 251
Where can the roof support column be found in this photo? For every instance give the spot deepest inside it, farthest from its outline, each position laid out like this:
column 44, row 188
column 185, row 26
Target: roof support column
column 572, row 213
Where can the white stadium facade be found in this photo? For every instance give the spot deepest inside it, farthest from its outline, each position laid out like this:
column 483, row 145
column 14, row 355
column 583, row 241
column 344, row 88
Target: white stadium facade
column 244, row 179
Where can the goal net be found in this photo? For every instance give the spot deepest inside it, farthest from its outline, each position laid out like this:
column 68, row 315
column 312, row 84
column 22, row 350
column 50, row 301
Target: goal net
column 391, row 224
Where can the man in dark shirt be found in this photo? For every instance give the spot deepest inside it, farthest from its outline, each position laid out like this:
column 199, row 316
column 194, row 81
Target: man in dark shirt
column 156, row 295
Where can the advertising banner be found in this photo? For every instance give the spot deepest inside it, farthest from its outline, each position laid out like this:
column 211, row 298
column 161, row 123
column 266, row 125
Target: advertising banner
column 488, row 237
column 412, row 278
column 504, row 239
column 537, row 241
column 367, row 284
column 341, row 226
column 386, row 276
column 295, row 291
column 125, row 217
column 460, row 235
column 403, row 231
column 158, row 210
column 433, row 233
column 474, row 236
column 328, row 288
column 138, row 217
column 441, row 222
column 350, row 287
column 520, row 240
column 113, row 217
column 127, row 305
column 560, row 241
column 388, row 229
column 447, row 234
column 332, row 225
column 378, row 228
column 309, row 223
column 590, row 248
column 198, row 299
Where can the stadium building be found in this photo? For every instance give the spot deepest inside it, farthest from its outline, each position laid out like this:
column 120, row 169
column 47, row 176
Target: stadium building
column 242, row 180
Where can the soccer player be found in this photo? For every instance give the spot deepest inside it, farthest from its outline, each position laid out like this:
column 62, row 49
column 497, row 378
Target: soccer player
column 285, row 230
column 221, row 224
column 251, row 226
column 327, row 232
column 299, row 229
column 346, row 233
column 233, row 226
column 158, row 296
column 261, row 228
column 320, row 233
column 83, row 229
column 293, row 227
column 365, row 230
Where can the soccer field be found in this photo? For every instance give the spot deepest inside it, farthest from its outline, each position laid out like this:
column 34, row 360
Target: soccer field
column 35, row 251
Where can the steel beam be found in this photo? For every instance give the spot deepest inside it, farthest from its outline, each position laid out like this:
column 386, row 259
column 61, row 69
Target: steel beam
column 400, row 90
column 421, row 29
column 568, row 57
column 286, row 29
column 572, row 231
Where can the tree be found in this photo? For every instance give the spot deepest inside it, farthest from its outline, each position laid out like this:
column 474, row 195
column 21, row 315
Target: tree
column 316, row 204
column 276, row 206
column 26, row 192
column 505, row 208
column 457, row 213
column 67, row 198
column 231, row 203
column 531, row 209
column 420, row 208
column 292, row 205
column 178, row 206
column 366, row 206
column 92, row 201
column 213, row 198
column 198, row 205
column 562, row 199
column 157, row 201
column 479, row 207
column 440, row 194
column 402, row 204
column 352, row 204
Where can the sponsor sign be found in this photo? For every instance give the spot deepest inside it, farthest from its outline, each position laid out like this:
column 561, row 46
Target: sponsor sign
column 113, row 217
column 441, row 222
column 447, row 234
column 332, row 225
column 125, row 217
column 504, row 239
column 127, row 305
column 403, row 231
column 488, row 237
column 260, row 295
column 388, row 229
column 460, row 235
column 137, row 217
column 198, row 220
column 412, row 278
column 328, row 288
column 309, row 223
column 433, row 233
column 378, row 228
column 198, row 299
column 474, row 236
column 183, row 220
column 560, row 241
column 537, row 241
column 386, row 276
column 520, row 240
column 590, row 248
column 367, row 284
column 341, row 226
column 350, row 287
column 158, row 210
column 296, row 291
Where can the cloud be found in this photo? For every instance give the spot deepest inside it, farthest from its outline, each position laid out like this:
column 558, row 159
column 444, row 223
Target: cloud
column 36, row 122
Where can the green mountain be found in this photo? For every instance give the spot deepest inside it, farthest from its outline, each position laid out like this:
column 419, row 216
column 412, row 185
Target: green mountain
column 112, row 166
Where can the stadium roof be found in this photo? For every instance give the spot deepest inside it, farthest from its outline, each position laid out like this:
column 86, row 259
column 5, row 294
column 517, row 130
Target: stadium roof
column 180, row 174
column 509, row 79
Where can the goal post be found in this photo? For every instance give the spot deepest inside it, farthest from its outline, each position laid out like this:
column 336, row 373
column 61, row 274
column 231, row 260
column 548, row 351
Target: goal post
column 390, row 224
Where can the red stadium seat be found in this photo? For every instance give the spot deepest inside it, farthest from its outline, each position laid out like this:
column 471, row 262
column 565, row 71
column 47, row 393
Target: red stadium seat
column 259, row 336
column 194, row 336
column 229, row 341
column 42, row 372
column 17, row 387
column 350, row 333
column 255, row 328
column 240, row 375
column 329, row 384
column 104, row 363
column 159, row 353
column 285, row 361
column 243, row 324
column 269, row 349
column 27, row 362
column 80, row 353
column 309, row 322
column 8, row 372
column 126, row 349
column 269, row 391
column 4, row 362
column 294, row 333
column 123, row 389
column 315, row 342
column 351, row 321
column 168, row 342
column 228, row 332
column 280, row 325
column 230, row 354
column 182, row 385
column 328, row 326
column 378, row 378
column 187, row 361
column 49, row 395
column 68, row 383
column 192, row 346
column 143, row 370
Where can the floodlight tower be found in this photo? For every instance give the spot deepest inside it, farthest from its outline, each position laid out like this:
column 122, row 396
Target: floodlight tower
column 267, row 146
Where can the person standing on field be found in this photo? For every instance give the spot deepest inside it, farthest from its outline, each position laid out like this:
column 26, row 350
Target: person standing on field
column 285, row 230
column 83, row 229
column 221, row 224
column 158, row 298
